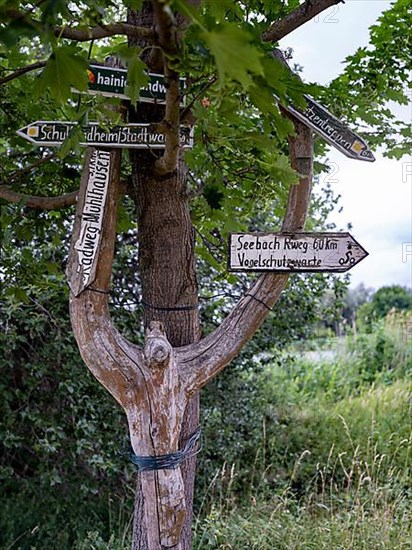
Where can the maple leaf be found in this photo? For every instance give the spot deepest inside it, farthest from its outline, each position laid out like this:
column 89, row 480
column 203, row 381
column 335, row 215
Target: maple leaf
column 236, row 57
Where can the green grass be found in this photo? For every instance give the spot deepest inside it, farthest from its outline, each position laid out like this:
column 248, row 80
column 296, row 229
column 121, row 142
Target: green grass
column 349, row 488
column 335, row 467
column 330, row 466
column 307, row 528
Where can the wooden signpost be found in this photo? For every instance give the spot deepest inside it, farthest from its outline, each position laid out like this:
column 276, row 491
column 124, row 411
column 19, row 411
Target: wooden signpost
column 132, row 136
column 111, row 82
column 156, row 382
column 332, row 130
column 88, row 232
column 294, row 252
column 327, row 126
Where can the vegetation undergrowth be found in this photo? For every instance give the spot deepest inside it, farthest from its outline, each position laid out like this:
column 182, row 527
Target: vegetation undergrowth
column 313, row 450
column 334, row 469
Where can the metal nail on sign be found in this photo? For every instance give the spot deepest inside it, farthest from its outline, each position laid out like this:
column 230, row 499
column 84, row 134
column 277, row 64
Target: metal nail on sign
column 332, row 130
column 294, row 252
column 113, row 83
column 131, row 136
column 87, row 243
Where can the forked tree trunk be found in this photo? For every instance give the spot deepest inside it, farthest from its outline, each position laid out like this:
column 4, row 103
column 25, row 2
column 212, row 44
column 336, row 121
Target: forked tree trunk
column 158, row 384
column 167, row 273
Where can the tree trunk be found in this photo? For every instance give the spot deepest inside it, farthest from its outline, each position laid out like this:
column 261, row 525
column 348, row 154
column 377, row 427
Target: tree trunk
column 158, row 384
column 169, row 295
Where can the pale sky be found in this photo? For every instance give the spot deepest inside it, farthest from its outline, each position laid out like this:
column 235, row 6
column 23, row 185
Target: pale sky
column 376, row 197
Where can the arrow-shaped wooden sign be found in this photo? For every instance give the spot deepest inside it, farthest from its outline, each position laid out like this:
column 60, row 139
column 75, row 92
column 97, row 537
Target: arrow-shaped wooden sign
column 113, row 83
column 327, row 126
column 294, row 252
column 332, row 130
column 132, row 136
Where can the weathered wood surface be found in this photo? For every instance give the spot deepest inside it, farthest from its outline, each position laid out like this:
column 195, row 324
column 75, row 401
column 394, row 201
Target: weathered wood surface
column 294, row 252
column 87, row 233
column 154, row 383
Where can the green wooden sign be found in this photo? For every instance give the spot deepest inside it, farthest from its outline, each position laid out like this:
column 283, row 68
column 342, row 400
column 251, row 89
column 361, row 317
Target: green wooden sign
column 113, row 82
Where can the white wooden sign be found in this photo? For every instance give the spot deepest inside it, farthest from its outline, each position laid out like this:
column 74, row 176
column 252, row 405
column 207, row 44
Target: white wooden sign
column 52, row 133
column 294, row 252
column 87, row 243
column 333, row 130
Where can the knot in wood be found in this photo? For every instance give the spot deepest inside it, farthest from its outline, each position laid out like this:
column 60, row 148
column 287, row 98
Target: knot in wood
column 157, row 349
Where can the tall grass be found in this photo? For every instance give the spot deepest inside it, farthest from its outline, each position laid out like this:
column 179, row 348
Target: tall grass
column 336, row 468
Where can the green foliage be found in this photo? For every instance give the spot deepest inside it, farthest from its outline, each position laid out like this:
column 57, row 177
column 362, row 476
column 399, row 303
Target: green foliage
column 65, row 68
column 240, row 158
column 52, row 423
column 137, row 76
column 235, row 57
column 284, row 526
column 58, row 428
column 316, row 442
column 332, row 469
column 376, row 75
column 384, row 300
column 58, row 424
column 391, row 297
column 239, row 163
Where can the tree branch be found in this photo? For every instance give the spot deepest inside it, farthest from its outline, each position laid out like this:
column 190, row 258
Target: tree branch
column 32, row 201
column 302, row 14
column 168, row 161
column 22, row 71
column 165, row 26
column 201, row 361
column 45, row 203
column 94, row 33
column 103, row 31
column 112, row 360
column 18, row 173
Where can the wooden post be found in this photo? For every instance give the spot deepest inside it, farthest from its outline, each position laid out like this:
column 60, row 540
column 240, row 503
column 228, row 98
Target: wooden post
column 301, row 159
column 146, row 382
column 159, row 435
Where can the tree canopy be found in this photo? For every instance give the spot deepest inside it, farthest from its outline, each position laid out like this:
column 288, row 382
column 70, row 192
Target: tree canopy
column 239, row 164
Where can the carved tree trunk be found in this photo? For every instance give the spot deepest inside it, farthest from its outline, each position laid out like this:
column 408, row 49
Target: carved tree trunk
column 147, row 382
column 169, row 294
column 167, row 272
column 158, row 384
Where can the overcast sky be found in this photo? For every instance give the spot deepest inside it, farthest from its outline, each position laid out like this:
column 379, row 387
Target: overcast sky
column 376, row 197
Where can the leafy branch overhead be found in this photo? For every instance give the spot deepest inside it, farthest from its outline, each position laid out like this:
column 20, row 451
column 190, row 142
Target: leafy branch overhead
column 237, row 52
column 250, row 169
column 232, row 80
